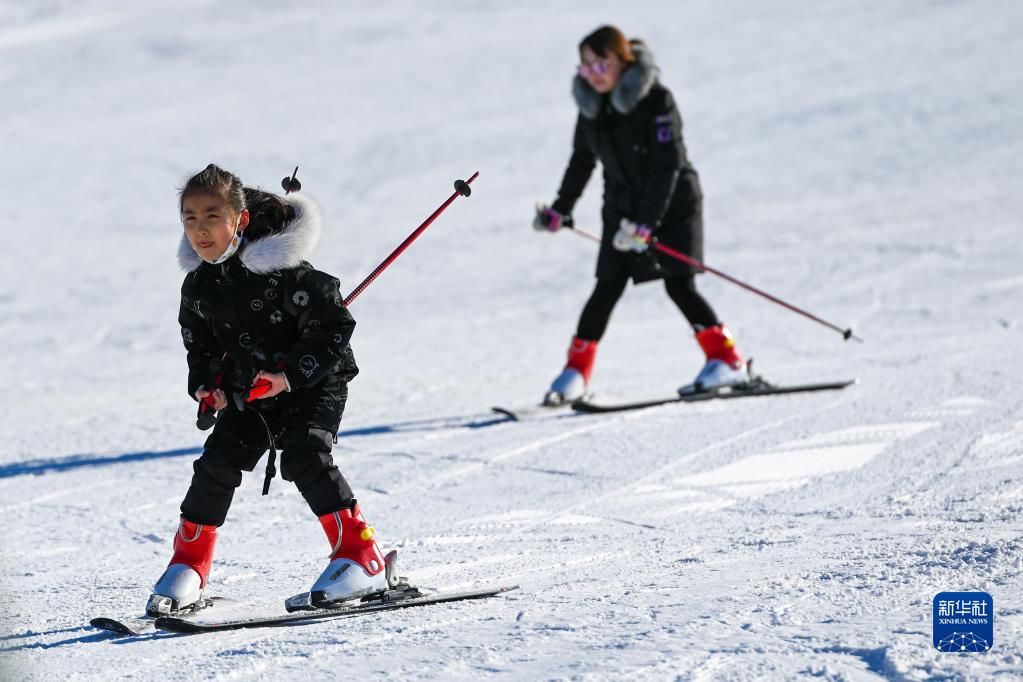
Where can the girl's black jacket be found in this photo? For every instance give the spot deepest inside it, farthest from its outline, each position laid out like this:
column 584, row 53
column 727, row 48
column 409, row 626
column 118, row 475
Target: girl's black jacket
column 266, row 308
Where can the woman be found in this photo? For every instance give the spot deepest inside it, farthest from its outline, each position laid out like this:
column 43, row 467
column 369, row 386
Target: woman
column 628, row 121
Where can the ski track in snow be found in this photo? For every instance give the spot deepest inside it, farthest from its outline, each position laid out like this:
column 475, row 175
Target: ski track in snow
column 862, row 161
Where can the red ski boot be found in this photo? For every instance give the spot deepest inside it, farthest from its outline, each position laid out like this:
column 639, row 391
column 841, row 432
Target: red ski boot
column 724, row 367
column 181, row 585
column 356, row 565
column 571, row 383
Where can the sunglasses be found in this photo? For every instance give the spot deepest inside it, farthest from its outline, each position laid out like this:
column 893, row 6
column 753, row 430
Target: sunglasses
column 598, row 67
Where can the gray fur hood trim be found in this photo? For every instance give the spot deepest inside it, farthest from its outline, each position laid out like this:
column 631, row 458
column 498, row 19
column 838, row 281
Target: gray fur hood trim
column 633, row 86
column 280, row 251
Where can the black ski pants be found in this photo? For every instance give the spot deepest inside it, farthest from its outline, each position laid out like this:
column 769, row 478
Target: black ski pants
column 682, row 290
column 303, row 424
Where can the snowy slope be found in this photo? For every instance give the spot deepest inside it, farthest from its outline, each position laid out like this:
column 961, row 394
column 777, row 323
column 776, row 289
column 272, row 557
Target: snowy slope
column 860, row 159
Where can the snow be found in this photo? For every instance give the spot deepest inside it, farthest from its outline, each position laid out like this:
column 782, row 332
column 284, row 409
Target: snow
column 862, row 160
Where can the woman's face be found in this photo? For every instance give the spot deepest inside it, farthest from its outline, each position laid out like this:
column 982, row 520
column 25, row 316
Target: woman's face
column 602, row 73
column 210, row 224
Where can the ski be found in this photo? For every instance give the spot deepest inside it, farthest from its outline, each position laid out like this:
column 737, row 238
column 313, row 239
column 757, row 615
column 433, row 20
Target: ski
column 758, row 387
column 403, row 598
column 134, row 626
column 518, row 414
column 524, row 412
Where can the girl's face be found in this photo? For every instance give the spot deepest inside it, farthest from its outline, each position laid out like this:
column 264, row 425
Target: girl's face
column 602, row 73
column 210, row 224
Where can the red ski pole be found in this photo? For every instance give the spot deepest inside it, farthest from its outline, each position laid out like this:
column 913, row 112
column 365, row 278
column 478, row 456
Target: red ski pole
column 692, row 262
column 206, row 416
column 461, row 189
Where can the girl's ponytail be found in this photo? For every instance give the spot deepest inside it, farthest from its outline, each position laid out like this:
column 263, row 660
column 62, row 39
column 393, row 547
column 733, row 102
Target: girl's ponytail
column 268, row 213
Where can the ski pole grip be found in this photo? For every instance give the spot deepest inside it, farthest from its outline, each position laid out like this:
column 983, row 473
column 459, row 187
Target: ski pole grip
column 258, row 390
column 206, row 416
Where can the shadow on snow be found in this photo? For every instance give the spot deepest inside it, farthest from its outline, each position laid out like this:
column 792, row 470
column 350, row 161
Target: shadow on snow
column 71, row 462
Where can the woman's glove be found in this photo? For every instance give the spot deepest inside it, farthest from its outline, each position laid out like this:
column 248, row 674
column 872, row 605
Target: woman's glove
column 632, row 237
column 547, row 219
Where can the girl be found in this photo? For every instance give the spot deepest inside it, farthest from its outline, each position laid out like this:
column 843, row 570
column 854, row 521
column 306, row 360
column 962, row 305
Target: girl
column 253, row 310
column 628, row 121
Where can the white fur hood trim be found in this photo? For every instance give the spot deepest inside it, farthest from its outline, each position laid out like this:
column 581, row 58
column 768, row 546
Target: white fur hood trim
column 286, row 249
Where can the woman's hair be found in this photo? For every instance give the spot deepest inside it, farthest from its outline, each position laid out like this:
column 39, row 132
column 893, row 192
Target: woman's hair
column 608, row 40
column 267, row 212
